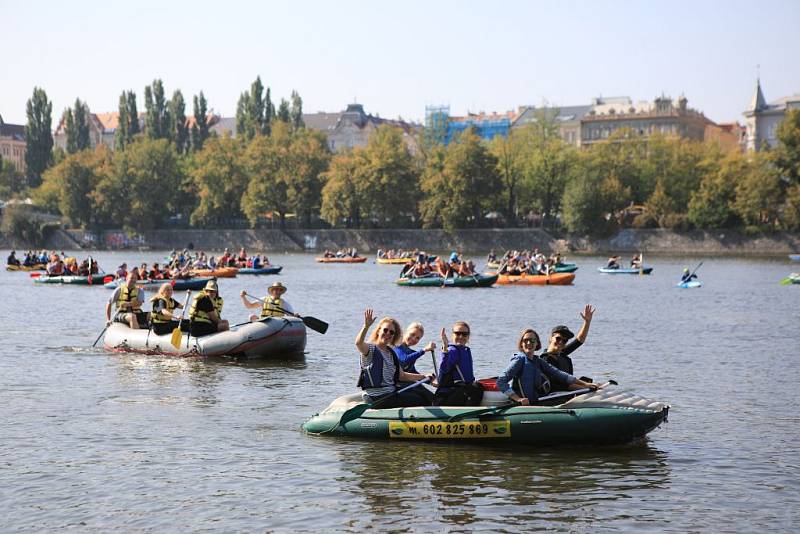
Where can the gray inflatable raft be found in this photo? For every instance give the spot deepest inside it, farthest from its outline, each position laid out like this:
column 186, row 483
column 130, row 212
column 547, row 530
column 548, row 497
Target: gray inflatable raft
column 266, row 338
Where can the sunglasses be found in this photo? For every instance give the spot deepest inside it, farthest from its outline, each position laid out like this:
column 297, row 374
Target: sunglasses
column 460, row 333
column 387, row 331
column 559, row 339
column 529, row 340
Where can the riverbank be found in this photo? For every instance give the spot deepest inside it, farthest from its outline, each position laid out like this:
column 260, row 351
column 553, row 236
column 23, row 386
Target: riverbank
column 660, row 242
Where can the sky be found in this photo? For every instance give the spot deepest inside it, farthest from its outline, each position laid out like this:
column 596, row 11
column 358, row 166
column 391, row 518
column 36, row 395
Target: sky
column 397, row 57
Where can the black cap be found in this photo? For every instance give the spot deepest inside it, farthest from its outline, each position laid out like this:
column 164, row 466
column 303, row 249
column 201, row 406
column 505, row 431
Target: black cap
column 563, row 330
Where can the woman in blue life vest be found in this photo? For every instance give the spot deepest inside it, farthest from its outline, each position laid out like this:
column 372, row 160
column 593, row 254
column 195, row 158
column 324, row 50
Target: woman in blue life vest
column 381, row 370
column 457, row 385
column 527, row 377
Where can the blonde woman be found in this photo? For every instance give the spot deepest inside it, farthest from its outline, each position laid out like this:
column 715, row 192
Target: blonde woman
column 380, row 368
column 162, row 317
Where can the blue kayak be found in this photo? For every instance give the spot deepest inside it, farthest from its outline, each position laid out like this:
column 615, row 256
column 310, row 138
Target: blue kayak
column 794, row 257
column 690, row 284
column 271, row 269
column 606, row 270
column 153, row 285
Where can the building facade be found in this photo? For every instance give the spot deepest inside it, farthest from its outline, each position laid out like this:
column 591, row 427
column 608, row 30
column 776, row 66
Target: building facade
column 567, row 119
column 445, row 128
column 762, row 119
column 12, row 144
column 607, row 115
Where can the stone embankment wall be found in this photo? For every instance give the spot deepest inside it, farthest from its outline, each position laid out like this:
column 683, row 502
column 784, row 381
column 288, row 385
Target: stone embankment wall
column 471, row 241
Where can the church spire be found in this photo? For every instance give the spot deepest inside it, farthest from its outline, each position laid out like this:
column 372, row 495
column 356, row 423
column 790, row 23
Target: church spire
column 758, row 103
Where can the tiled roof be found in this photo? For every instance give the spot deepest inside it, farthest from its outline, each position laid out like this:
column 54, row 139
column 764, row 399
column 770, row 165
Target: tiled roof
column 14, row 131
column 321, row 120
column 562, row 113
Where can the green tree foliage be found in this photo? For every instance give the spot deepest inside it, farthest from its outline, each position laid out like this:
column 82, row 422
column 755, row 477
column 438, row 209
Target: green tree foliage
column 220, row 178
column 787, row 154
column 75, row 179
column 139, row 193
column 758, row 193
column 284, row 114
column 128, row 122
column 790, row 212
column 584, row 207
column 461, row 188
column 200, row 126
column 19, row 224
column 38, row 136
column 254, row 112
column 12, row 182
column 158, row 119
column 241, row 116
column 180, row 133
column 285, row 174
column 710, row 206
column 296, row 111
column 509, row 153
column 76, row 120
column 343, row 190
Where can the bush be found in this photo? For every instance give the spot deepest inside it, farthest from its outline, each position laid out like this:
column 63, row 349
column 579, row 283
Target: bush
column 20, row 225
column 675, row 221
column 644, row 220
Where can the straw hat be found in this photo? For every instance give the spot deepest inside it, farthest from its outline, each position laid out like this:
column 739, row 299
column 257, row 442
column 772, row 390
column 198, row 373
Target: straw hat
column 211, row 285
column 277, row 286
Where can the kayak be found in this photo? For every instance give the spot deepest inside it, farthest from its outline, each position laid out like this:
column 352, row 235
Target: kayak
column 794, row 257
column 346, row 259
column 606, row 270
column 556, row 279
column 220, row 272
column 270, row 269
column 270, row 337
column 95, row 279
column 478, row 280
column 601, row 417
column 793, row 278
column 394, row 261
column 177, row 285
column 35, row 267
column 690, row 284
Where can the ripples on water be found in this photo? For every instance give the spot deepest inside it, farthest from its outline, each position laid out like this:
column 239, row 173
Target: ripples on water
column 98, row 441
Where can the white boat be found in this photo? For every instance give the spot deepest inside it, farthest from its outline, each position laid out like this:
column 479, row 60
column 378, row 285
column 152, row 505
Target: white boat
column 266, row 338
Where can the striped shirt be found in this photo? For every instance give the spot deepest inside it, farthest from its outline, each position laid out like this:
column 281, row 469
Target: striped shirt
column 388, row 372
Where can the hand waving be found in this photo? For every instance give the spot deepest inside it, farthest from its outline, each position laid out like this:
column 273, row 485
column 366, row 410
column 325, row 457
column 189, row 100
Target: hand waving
column 369, row 317
column 587, row 313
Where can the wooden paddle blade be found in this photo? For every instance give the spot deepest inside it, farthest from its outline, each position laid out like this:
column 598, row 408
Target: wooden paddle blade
column 315, row 324
column 176, row 337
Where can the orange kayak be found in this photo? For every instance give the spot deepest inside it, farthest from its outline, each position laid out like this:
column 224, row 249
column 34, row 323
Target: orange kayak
column 555, row 279
column 222, row 272
column 346, row 259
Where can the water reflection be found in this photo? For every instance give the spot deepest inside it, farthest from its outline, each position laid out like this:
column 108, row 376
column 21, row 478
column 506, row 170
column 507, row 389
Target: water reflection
column 470, row 484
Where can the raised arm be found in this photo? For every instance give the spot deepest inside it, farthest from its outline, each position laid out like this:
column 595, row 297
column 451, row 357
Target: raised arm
column 369, row 318
column 586, row 315
column 247, row 303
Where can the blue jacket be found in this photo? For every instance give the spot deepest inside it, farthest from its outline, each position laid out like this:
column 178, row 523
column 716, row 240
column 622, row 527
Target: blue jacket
column 530, row 377
column 456, row 366
column 407, row 357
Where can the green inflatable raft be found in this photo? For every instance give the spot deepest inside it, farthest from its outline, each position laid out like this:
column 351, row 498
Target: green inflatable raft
column 603, row 417
column 478, row 280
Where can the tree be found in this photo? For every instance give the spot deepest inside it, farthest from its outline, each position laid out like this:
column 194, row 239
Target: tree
column 461, row 187
column 133, row 116
column 341, row 195
column 711, row 205
column 296, row 111
column 758, row 193
column 200, row 126
column 158, row 119
column 269, row 113
column 583, row 206
column 139, row 194
column 509, row 153
column 38, row 136
column 787, row 154
column 128, row 123
column 283, row 112
column 76, row 126
column 75, row 178
column 309, row 157
column 266, row 159
column 242, row 116
column 220, row 178
column 12, row 182
column 255, row 109
column 180, row 133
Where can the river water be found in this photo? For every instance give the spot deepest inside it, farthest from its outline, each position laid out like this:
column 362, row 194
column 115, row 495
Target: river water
column 92, row 441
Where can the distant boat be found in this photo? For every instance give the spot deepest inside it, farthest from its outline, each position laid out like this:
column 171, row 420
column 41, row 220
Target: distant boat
column 794, row 257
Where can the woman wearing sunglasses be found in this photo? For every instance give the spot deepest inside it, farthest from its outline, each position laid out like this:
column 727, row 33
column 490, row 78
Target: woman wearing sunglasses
column 381, row 370
column 457, row 385
column 529, row 377
column 559, row 347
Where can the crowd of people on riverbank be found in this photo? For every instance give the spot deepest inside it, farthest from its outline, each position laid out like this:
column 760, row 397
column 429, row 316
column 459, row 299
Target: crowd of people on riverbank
column 387, row 363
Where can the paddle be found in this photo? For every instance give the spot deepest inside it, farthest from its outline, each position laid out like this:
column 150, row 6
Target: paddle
column 313, row 323
column 695, row 269
column 641, row 264
column 358, row 410
column 101, row 335
column 176, row 332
